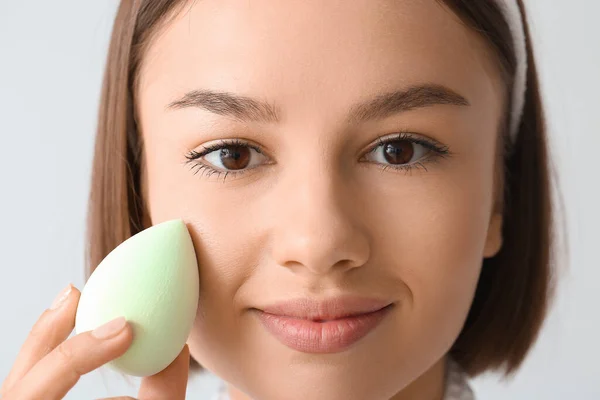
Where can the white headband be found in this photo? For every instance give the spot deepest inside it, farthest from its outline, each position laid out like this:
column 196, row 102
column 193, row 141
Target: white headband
column 512, row 14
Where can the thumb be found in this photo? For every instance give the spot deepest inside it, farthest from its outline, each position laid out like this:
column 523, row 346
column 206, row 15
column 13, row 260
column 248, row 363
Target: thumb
column 171, row 382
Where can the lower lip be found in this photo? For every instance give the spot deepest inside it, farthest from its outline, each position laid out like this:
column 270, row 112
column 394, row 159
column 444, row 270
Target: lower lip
column 321, row 337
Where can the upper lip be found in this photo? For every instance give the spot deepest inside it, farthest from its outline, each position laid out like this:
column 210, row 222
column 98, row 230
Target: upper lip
column 327, row 308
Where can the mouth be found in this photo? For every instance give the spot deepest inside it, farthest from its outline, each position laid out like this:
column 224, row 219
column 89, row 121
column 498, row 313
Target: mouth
column 329, row 326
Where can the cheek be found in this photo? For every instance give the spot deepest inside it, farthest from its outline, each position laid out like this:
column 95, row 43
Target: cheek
column 217, row 224
column 443, row 262
column 433, row 247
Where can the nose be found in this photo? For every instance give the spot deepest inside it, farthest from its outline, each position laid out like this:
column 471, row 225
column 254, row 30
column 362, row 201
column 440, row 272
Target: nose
column 317, row 224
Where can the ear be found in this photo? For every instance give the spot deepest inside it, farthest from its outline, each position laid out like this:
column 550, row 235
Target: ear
column 493, row 241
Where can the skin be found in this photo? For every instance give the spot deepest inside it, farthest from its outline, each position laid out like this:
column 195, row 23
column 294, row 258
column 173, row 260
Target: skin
column 308, row 218
column 314, row 215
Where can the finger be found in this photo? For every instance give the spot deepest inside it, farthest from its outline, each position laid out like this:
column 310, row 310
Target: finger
column 52, row 328
column 171, row 382
column 57, row 373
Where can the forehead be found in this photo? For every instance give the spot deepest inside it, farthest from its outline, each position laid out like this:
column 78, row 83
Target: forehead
column 317, row 53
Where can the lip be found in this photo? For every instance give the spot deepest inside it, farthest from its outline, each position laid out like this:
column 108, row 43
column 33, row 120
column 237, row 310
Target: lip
column 327, row 326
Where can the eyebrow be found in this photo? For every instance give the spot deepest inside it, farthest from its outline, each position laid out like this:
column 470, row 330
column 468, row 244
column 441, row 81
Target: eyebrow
column 247, row 109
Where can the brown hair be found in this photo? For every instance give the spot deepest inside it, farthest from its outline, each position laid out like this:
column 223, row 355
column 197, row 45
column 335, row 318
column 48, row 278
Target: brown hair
column 515, row 286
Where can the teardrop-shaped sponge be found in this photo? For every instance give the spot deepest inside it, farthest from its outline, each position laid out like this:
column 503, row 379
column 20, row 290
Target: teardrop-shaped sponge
column 151, row 279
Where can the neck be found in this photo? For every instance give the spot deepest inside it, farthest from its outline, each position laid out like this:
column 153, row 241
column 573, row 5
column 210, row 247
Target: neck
column 429, row 386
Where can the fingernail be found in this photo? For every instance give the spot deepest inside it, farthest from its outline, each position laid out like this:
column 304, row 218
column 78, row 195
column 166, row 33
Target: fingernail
column 60, row 299
column 110, row 328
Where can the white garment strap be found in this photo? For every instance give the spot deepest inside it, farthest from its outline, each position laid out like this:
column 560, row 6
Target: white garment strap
column 514, row 18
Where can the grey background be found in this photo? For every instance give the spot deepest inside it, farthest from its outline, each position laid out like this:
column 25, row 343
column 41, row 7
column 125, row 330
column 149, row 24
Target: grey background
column 51, row 61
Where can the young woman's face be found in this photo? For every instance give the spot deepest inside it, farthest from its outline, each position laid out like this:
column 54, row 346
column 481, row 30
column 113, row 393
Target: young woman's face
column 306, row 200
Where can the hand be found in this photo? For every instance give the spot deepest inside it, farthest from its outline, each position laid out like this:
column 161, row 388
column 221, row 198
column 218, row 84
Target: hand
column 48, row 365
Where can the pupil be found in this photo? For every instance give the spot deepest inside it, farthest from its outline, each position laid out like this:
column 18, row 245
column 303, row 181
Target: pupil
column 235, row 157
column 399, row 152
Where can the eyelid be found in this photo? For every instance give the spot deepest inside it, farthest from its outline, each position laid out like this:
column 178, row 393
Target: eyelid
column 431, row 144
column 398, row 135
column 237, row 141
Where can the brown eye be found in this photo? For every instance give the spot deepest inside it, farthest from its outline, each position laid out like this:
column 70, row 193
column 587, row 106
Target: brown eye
column 233, row 157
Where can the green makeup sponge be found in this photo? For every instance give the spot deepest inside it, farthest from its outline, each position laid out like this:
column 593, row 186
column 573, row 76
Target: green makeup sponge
column 151, row 279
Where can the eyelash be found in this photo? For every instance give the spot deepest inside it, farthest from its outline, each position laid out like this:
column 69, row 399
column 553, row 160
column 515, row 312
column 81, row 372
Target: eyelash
column 437, row 150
